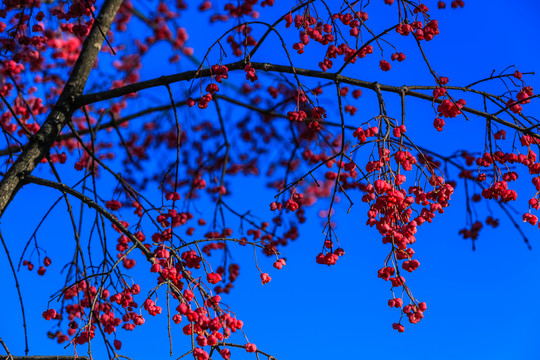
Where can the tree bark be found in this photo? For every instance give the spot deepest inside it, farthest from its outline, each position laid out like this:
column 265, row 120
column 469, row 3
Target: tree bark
column 39, row 145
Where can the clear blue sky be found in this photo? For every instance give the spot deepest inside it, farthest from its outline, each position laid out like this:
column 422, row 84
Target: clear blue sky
column 481, row 305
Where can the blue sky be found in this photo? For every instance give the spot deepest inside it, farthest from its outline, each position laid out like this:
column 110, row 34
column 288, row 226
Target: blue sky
column 481, row 305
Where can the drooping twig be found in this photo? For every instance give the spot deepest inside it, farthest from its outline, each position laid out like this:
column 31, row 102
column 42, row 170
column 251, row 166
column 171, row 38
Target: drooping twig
column 20, row 297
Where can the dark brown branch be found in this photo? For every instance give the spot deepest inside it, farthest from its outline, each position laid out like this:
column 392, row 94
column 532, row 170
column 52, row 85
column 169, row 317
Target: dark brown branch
column 150, row 257
column 39, row 145
column 189, row 75
column 29, row 179
column 115, row 122
column 9, row 356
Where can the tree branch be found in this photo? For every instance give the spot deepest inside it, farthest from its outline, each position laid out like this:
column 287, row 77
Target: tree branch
column 239, row 65
column 40, row 144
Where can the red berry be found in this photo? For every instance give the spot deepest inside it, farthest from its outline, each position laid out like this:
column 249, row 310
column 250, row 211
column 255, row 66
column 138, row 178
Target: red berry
column 265, row 278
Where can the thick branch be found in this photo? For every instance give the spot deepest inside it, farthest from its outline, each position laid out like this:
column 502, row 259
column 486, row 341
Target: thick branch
column 40, row 144
column 190, row 75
